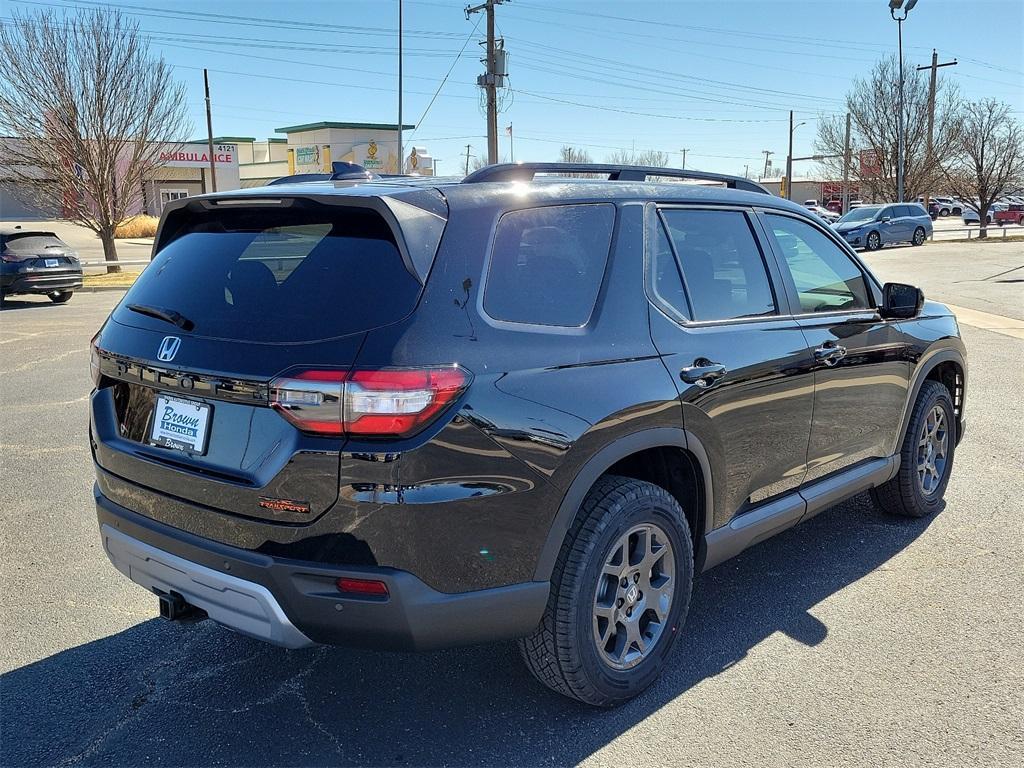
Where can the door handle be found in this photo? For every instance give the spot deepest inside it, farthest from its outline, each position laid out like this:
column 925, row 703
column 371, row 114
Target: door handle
column 829, row 353
column 703, row 372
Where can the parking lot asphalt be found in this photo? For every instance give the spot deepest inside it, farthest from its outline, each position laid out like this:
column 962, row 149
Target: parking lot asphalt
column 854, row 639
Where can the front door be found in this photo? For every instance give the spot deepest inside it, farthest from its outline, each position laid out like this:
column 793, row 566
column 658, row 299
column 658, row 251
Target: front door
column 721, row 321
column 861, row 372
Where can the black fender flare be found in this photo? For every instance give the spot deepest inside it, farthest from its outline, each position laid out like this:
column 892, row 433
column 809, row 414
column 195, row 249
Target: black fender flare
column 924, row 367
column 599, row 463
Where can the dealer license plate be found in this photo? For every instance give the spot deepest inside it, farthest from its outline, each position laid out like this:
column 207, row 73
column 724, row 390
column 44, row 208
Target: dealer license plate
column 180, row 424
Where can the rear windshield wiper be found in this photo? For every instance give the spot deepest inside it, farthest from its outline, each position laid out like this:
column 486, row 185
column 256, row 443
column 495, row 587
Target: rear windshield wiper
column 167, row 315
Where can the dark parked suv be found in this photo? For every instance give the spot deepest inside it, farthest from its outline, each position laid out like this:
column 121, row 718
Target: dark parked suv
column 424, row 413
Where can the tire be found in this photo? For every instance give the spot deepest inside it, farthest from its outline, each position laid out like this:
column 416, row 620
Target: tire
column 563, row 652
column 60, row 297
column 908, row 494
column 873, row 241
column 944, row 212
column 1020, row 221
column 919, row 236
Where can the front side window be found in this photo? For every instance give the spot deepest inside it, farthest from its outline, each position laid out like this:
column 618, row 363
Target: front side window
column 826, row 278
column 547, row 264
column 723, row 269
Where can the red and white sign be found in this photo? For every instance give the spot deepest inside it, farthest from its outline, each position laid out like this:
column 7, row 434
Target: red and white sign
column 869, row 164
column 198, row 156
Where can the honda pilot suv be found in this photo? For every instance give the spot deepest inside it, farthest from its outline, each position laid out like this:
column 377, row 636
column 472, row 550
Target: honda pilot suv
column 418, row 413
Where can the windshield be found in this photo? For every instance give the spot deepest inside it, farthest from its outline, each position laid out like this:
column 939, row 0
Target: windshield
column 861, row 214
column 275, row 276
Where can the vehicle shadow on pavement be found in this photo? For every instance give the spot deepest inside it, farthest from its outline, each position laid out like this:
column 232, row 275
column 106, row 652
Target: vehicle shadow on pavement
column 164, row 694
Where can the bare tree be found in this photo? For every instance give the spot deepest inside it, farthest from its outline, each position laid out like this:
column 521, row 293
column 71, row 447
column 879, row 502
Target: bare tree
column 872, row 104
column 90, row 109
column 651, row 157
column 571, row 154
column 987, row 158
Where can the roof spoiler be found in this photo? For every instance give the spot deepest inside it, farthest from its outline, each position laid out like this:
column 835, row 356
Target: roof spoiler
column 527, row 171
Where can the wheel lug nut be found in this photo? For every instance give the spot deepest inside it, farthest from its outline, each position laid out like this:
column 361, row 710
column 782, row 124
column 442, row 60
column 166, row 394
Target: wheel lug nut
column 636, row 577
column 623, row 583
column 619, row 602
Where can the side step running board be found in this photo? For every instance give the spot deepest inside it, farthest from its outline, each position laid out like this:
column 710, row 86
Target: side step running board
column 776, row 516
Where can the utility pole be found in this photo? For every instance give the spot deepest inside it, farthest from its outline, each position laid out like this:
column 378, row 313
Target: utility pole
column 846, row 167
column 489, row 81
column 401, row 157
column 684, row 151
column 746, row 170
column 789, row 160
column 468, row 146
column 767, row 153
column 931, row 109
column 209, row 132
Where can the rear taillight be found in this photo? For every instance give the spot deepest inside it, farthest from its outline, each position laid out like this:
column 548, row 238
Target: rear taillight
column 377, row 403
column 11, row 257
column 311, row 400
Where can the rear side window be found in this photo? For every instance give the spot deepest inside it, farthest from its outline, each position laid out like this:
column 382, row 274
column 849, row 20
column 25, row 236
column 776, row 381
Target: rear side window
column 547, row 264
column 278, row 275
column 723, row 268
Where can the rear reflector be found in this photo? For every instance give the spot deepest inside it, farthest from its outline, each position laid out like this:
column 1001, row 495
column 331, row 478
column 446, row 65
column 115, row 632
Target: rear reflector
column 378, row 403
column 366, row 587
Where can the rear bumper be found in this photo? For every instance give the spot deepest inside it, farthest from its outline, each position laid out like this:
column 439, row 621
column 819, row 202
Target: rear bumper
column 294, row 603
column 42, row 282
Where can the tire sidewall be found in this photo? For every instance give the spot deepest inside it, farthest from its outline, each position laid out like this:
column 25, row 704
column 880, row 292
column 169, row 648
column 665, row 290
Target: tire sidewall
column 624, row 684
column 932, row 502
column 873, row 237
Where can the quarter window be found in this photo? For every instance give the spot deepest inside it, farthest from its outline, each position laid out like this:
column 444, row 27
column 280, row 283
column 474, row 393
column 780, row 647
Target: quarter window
column 547, row 264
column 723, row 268
column 826, row 278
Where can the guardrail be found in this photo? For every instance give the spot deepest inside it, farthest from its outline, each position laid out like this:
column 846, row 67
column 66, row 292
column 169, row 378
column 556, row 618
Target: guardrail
column 990, row 230
column 119, row 262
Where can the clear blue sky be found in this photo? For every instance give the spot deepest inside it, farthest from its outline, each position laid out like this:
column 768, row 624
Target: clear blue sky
column 715, row 77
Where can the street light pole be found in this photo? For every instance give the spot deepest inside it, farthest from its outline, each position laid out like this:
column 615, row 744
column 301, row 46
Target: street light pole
column 895, row 5
column 401, row 164
column 789, row 157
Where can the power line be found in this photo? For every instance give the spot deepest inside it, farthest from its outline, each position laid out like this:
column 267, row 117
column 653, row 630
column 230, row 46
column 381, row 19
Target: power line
column 444, row 80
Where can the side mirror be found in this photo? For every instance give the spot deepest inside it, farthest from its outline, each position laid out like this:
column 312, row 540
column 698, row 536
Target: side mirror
column 885, row 219
column 901, row 301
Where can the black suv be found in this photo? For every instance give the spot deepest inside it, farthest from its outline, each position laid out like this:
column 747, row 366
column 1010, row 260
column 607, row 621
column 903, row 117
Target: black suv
column 421, row 413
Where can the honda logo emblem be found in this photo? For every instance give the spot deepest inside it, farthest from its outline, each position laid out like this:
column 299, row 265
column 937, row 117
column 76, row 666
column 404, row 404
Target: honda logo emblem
column 168, row 348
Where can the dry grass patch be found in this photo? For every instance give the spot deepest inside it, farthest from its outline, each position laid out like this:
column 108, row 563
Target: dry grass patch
column 137, row 226
column 110, row 280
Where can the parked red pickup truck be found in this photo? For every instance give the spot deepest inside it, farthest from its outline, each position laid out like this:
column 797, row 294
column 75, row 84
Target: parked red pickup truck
column 1014, row 214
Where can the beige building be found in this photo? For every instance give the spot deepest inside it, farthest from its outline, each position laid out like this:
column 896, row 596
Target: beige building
column 312, row 147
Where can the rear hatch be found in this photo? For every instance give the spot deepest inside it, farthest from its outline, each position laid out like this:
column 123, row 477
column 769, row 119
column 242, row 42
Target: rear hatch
column 42, row 252
column 242, row 293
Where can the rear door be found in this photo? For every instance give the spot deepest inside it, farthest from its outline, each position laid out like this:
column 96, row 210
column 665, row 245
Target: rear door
column 861, row 372
column 722, row 325
column 233, row 300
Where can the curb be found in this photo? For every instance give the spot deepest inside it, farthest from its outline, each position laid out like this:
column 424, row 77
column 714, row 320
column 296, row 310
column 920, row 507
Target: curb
column 101, row 288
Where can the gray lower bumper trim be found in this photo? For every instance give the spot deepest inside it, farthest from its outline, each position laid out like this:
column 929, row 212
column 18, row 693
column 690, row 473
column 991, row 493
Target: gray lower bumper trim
column 240, row 605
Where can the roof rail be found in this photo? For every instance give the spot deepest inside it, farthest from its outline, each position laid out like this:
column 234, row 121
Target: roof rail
column 526, row 172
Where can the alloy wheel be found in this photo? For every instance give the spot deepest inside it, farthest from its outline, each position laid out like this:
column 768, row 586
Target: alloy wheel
column 634, row 594
column 874, row 241
column 932, row 450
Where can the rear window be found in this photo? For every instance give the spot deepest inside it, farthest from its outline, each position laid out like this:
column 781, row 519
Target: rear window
column 278, row 275
column 32, row 242
column 547, row 264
